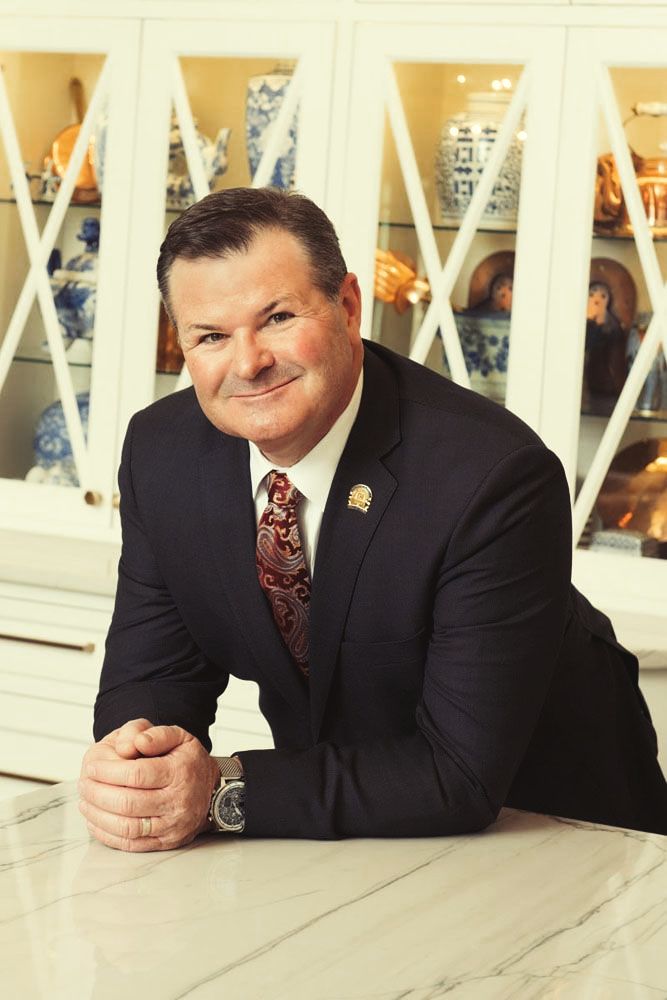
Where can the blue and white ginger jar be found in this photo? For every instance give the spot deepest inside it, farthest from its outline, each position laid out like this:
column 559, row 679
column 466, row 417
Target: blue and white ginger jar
column 466, row 142
column 54, row 460
column 264, row 98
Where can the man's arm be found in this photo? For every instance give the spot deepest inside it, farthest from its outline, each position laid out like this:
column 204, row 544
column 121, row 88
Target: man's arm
column 152, row 667
column 142, row 767
column 498, row 621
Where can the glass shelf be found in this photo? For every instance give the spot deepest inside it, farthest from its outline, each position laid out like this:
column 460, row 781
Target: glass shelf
column 625, row 237
column 46, row 360
column 442, row 227
column 77, row 364
column 449, row 228
column 49, row 204
column 603, row 407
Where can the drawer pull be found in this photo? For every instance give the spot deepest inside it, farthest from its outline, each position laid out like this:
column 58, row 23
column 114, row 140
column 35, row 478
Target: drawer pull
column 92, row 498
column 85, row 647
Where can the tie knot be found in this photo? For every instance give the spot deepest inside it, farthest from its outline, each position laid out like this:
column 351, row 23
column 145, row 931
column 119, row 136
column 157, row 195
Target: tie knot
column 282, row 492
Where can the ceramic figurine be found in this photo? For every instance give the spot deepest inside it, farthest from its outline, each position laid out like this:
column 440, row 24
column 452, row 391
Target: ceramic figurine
column 264, row 97
column 465, row 145
column 653, row 395
column 54, row 461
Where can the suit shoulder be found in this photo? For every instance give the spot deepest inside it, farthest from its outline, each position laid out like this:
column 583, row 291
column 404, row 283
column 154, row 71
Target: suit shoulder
column 434, row 401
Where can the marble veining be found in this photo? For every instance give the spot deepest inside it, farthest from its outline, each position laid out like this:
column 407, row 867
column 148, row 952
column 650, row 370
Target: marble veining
column 533, row 907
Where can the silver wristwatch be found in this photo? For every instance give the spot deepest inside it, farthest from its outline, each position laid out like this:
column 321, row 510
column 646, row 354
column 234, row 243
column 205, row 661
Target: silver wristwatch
column 227, row 810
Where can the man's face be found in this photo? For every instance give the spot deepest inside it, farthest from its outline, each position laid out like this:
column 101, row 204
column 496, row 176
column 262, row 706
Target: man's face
column 270, row 357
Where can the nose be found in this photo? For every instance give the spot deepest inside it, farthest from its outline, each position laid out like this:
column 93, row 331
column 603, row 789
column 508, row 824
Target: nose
column 250, row 356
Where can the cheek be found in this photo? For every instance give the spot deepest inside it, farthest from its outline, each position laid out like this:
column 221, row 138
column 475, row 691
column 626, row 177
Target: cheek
column 207, row 373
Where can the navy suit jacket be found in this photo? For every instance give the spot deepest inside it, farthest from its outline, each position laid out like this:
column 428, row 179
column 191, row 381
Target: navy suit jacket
column 453, row 668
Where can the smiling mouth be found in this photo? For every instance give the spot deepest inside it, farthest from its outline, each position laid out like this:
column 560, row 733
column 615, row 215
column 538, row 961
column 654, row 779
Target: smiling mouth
column 263, row 392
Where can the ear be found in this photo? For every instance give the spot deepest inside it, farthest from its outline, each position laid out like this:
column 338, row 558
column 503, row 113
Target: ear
column 350, row 300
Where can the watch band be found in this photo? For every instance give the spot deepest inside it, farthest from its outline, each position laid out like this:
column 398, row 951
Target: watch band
column 229, row 767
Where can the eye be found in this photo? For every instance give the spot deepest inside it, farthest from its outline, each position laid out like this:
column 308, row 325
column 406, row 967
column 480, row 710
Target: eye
column 212, row 338
column 279, row 317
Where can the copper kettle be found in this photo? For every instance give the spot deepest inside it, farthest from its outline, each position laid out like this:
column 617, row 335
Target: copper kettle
column 611, row 215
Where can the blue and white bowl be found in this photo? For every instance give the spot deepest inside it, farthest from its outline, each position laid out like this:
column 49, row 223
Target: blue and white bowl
column 264, row 98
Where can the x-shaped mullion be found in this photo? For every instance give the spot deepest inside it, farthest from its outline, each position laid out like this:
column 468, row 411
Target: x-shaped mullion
column 657, row 291
column 442, row 279
column 39, row 249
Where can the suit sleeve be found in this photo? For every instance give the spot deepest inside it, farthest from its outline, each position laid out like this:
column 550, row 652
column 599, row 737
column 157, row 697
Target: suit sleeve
column 152, row 668
column 498, row 620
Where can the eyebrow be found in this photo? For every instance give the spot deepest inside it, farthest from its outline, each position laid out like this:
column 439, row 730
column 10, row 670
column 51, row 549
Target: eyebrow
column 264, row 311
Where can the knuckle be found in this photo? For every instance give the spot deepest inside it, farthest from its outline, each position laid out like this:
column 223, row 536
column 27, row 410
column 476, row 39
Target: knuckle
column 124, row 804
column 126, row 830
column 137, row 777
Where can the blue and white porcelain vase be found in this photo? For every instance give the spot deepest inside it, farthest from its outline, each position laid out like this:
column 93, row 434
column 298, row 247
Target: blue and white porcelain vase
column 465, row 145
column 485, row 342
column 74, row 290
column 264, row 98
column 54, row 461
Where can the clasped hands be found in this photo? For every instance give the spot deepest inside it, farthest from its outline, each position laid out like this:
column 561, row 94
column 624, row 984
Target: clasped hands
column 146, row 787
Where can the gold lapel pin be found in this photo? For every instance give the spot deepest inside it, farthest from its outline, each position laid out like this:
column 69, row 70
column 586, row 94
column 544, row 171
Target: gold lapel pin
column 360, row 497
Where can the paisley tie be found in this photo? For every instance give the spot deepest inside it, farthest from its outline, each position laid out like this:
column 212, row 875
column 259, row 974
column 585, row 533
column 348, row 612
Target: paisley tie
column 281, row 567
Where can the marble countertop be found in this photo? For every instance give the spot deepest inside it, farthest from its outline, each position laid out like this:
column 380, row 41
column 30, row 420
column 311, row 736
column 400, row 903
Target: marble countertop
column 533, row 907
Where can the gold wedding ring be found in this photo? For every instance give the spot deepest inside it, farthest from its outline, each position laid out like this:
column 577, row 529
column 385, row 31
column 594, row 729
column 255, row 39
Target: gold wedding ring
column 145, row 826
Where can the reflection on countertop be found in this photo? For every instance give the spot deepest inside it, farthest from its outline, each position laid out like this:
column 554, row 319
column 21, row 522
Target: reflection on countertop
column 533, row 907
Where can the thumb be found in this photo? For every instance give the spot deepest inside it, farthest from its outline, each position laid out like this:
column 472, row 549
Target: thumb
column 159, row 740
column 122, row 739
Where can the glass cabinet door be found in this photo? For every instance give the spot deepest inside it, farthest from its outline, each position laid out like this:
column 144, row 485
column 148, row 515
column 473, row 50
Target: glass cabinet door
column 606, row 399
column 222, row 105
column 61, row 267
column 451, row 172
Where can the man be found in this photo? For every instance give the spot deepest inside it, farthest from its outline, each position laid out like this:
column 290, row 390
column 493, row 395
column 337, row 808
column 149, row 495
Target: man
column 386, row 554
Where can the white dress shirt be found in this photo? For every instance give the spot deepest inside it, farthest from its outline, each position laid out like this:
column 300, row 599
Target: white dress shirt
column 312, row 476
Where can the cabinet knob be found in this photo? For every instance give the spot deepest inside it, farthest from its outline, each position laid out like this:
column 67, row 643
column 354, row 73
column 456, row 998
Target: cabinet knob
column 92, row 498
column 115, row 500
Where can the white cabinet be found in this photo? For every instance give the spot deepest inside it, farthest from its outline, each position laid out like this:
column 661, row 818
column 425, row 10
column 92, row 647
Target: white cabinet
column 537, row 91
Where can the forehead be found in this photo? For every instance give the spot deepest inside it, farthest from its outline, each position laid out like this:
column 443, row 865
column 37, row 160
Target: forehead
column 275, row 263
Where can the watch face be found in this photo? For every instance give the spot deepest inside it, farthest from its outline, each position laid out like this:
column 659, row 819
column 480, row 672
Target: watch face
column 228, row 811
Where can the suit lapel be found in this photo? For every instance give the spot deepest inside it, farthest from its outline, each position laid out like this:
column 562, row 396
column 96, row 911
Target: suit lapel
column 346, row 532
column 230, row 519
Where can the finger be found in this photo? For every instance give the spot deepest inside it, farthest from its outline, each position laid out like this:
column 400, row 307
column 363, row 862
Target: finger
column 127, row 802
column 125, row 844
column 124, row 827
column 125, row 736
column 160, row 740
column 143, row 773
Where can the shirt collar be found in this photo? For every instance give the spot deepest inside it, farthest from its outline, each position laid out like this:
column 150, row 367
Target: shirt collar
column 312, row 475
